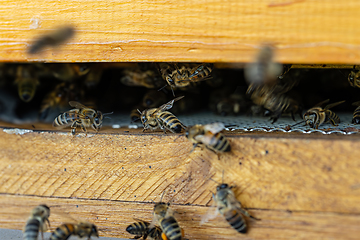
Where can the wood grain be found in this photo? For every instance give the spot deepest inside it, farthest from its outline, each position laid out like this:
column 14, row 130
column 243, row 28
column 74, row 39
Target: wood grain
column 112, row 217
column 310, row 31
column 297, row 174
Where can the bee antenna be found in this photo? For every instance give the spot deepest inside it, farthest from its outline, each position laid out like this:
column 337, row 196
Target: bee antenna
column 139, row 111
column 222, row 176
column 108, row 117
column 162, row 87
column 104, row 114
column 178, row 137
column 135, row 120
column 298, row 123
column 162, row 195
column 214, row 181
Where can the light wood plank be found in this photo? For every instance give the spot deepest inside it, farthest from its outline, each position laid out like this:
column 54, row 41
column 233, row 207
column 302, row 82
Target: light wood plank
column 204, row 31
column 297, row 173
column 112, row 217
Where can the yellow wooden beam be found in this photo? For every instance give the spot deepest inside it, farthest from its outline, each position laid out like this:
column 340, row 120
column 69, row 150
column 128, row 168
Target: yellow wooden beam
column 202, row 31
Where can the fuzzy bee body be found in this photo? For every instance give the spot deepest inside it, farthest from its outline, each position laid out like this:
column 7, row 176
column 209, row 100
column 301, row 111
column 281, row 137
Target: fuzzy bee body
column 229, row 207
column 26, row 81
column 81, row 116
column 316, row 116
column 82, row 229
column 167, row 222
column 39, row 215
column 159, row 118
column 210, row 136
column 141, row 229
column 354, row 78
column 356, row 114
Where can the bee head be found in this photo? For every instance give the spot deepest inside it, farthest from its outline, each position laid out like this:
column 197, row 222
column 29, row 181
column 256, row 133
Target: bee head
column 98, row 117
column 222, row 186
column 161, row 209
column 94, row 230
column 356, row 120
column 41, row 210
column 354, row 78
column 170, row 81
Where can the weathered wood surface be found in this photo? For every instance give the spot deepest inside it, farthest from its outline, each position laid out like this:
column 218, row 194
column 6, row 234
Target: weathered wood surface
column 112, row 217
column 300, row 187
column 212, row 31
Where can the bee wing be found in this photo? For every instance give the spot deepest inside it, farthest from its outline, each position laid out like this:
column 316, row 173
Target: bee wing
column 214, row 127
column 76, row 104
column 211, row 213
column 333, row 105
column 167, row 105
column 356, row 103
column 321, row 103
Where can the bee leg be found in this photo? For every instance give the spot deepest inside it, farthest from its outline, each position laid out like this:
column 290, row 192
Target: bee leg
column 293, row 116
column 163, row 236
column 333, row 122
column 194, row 146
column 73, row 126
column 246, row 213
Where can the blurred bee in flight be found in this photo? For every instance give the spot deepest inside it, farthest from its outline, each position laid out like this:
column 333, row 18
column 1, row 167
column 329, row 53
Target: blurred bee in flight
column 210, row 136
column 81, row 229
column 137, row 77
column 185, row 75
column 27, row 81
column 37, row 222
column 68, row 71
column 51, row 39
column 159, row 118
column 317, row 115
column 81, row 116
column 142, row 229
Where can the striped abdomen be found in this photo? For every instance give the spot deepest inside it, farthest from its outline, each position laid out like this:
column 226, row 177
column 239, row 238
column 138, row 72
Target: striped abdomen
column 236, row 220
column 356, row 116
column 218, row 142
column 155, row 233
column 332, row 117
column 27, row 89
column 171, row 228
column 31, row 231
column 170, row 122
column 278, row 103
column 63, row 232
column 138, row 228
column 201, row 72
column 66, row 118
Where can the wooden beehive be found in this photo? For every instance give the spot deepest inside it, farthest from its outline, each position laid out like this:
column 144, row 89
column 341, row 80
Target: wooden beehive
column 301, row 186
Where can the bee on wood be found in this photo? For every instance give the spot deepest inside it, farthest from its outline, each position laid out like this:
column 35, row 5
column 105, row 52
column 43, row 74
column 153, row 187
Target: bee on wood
column 26, row 80
column 163, row 216
column 81, row 229
column 354, row 78
column 210, row 136
column 155, row 118
column 139, row 78
column 52, row 39
column 230, row 208
column 356, row 114
column 316, row 115
column 141, row 229
column 37, row 222
column 185, row 75
column 80, row 116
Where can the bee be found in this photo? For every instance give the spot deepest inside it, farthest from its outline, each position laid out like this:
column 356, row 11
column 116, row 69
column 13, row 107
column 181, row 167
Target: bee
column 26, row 80
column 276, row 103
column 185, row 75
column 354, row 78
column 155, row 118
column 229, row 207
column 81, row 229
column 68, row 71
column 38, row 218
column 54, row 38
column 80, row 116
column 210, row 136
column 163, row 216
column 356, row 114
column 263, row 70
column 141, row 229
column 316, row 116
column 138, row 78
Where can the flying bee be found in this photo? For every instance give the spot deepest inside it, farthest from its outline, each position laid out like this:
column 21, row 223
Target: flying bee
column 141, row 229
column 155, row 118
column 26, row 80
column 316, row 116
column 54, row 38
column 356, row 114
column 354, row 78
column 229, row 207
column 67, row 71
column 210, row 136
column 80, row 116
column 185, row 75
column 138, row 78
column 81, row 229
column 163, row 216
column 37, row 222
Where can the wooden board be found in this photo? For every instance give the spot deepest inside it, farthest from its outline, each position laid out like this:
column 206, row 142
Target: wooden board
column 293, row 183
column 203, row 31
